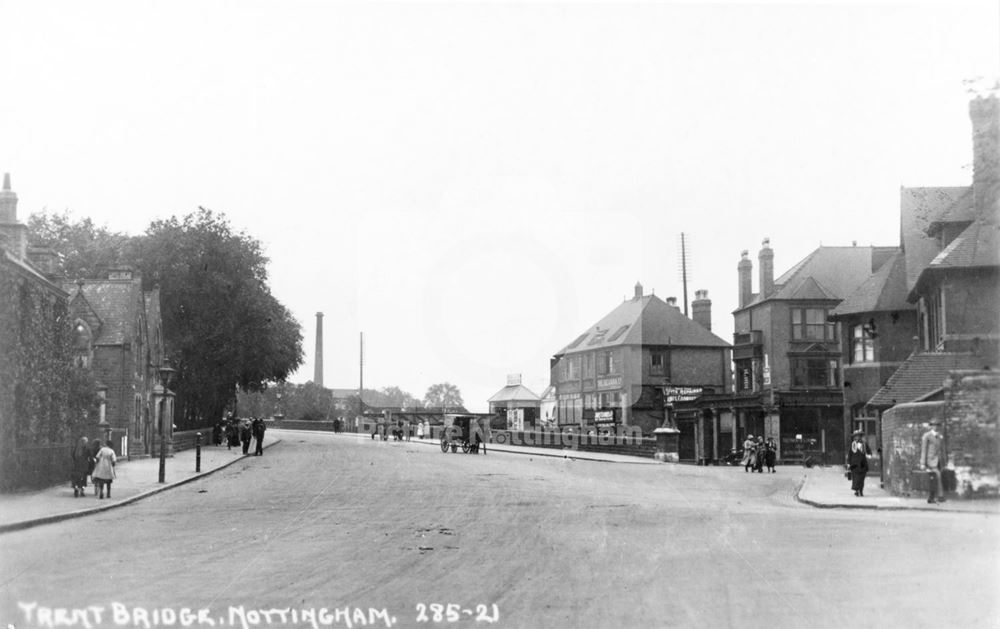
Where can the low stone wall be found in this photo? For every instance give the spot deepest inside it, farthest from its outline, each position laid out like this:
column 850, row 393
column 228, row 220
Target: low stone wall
column 629, row 446
column 611, row 444
column 301, row 424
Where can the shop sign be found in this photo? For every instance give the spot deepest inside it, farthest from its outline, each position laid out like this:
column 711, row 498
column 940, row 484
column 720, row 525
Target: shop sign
column 682, row 394
column 513, row 379
column 604, row 417
column 612, row 382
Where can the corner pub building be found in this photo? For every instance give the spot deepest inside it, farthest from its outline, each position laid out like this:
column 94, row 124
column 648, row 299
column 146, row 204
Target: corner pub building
column 786, row 357
column 624, row 369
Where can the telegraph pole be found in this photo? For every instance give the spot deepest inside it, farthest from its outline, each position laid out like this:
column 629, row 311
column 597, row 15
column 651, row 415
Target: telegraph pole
column 361, row 375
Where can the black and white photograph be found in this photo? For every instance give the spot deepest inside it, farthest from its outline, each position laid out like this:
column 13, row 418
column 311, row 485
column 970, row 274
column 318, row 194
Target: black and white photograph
column 499, row 313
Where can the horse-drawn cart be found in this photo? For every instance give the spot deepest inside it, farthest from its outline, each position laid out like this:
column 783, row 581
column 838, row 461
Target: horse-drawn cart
column 464, row 432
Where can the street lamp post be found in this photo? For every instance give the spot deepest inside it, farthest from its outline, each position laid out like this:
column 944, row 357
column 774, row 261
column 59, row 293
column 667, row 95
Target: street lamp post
column 166, row 373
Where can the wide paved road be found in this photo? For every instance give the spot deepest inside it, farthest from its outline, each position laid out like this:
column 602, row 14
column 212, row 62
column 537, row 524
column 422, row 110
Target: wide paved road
column 324, row 521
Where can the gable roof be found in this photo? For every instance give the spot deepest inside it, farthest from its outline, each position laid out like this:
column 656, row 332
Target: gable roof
column 920, row 375
column 514, row 393
column 828, row 273
column 920, row 209
column 114, row 302
column 646, row 320
column 883, row 291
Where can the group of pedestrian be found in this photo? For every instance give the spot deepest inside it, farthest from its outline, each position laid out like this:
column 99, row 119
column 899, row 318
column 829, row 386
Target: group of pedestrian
column 97, row 460
column 758, row 454
column 240, row 432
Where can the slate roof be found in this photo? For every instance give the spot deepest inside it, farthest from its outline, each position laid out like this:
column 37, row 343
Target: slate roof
column 922, row 374
column 514, row 393
column 921, row 211
column 828, row 273
column 646, row 320
column 975, row 247
column 114, row 302
column 883, row 291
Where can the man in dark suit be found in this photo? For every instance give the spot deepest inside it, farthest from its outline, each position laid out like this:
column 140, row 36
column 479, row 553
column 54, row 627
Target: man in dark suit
column 932, row 459
column 258, row 429
column 858, row 461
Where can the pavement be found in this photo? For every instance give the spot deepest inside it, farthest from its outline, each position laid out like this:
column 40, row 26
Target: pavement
column 828, row 488
column 135, row 479
column 821, row 487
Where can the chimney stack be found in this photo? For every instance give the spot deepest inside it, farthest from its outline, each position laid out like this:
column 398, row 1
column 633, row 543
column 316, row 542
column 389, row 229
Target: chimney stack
column 745, row 269
column 766, row 259
column 8, row 202
column 672, row 302
column 16, row 234
column 985, row 115
column 318, row 375
column 638, row 290
column 701, row 309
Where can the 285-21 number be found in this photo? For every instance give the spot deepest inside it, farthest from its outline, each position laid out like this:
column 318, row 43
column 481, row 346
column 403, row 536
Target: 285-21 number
column 452, row 612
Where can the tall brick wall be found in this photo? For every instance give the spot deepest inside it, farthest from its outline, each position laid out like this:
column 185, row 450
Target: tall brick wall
column 972, row 406
column 972, row 436
column 902, row 427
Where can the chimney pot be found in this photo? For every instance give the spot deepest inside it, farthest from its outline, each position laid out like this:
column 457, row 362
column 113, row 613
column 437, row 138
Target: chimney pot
column 638, row 290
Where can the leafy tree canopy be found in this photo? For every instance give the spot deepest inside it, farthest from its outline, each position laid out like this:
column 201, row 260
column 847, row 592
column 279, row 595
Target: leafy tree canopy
column 223, row 329
column 444, row 395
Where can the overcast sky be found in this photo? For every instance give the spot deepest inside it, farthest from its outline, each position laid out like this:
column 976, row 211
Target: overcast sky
column 474, row 185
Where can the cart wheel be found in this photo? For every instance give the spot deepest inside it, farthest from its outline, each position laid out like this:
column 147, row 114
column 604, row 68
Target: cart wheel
column 454, row 447
column 466, row 447
column 444, row 446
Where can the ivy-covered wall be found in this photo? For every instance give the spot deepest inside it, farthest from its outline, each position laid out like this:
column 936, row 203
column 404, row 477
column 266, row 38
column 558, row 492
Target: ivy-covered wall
column 44, row 399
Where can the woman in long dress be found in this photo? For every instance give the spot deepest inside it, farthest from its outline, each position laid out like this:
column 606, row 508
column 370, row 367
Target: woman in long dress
column 104, row 470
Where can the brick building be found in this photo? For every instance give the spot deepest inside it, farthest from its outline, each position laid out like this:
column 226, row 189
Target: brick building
column 630, row 365
column 952, row 248
column 118, row 334
column 787, row 356
column 37, row 421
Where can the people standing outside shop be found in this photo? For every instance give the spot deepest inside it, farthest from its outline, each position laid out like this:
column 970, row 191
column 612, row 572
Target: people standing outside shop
column 759, row 450
column 770, row 454
column 749, row 458
column 104, row 470
column 258, row 429
column 932, row 460
column 420, row 430
column 858, row 462
column 81, row 467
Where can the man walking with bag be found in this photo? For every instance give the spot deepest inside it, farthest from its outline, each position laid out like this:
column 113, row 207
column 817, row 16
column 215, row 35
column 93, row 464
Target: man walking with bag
column 932, row 459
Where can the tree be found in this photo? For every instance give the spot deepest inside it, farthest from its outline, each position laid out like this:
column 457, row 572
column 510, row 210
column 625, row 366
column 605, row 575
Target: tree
column 224, row 329
column 84, row 248
column 394, row 397
column 444, row 395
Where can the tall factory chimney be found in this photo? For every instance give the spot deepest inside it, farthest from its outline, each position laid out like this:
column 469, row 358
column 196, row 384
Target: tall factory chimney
column 318, row 376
